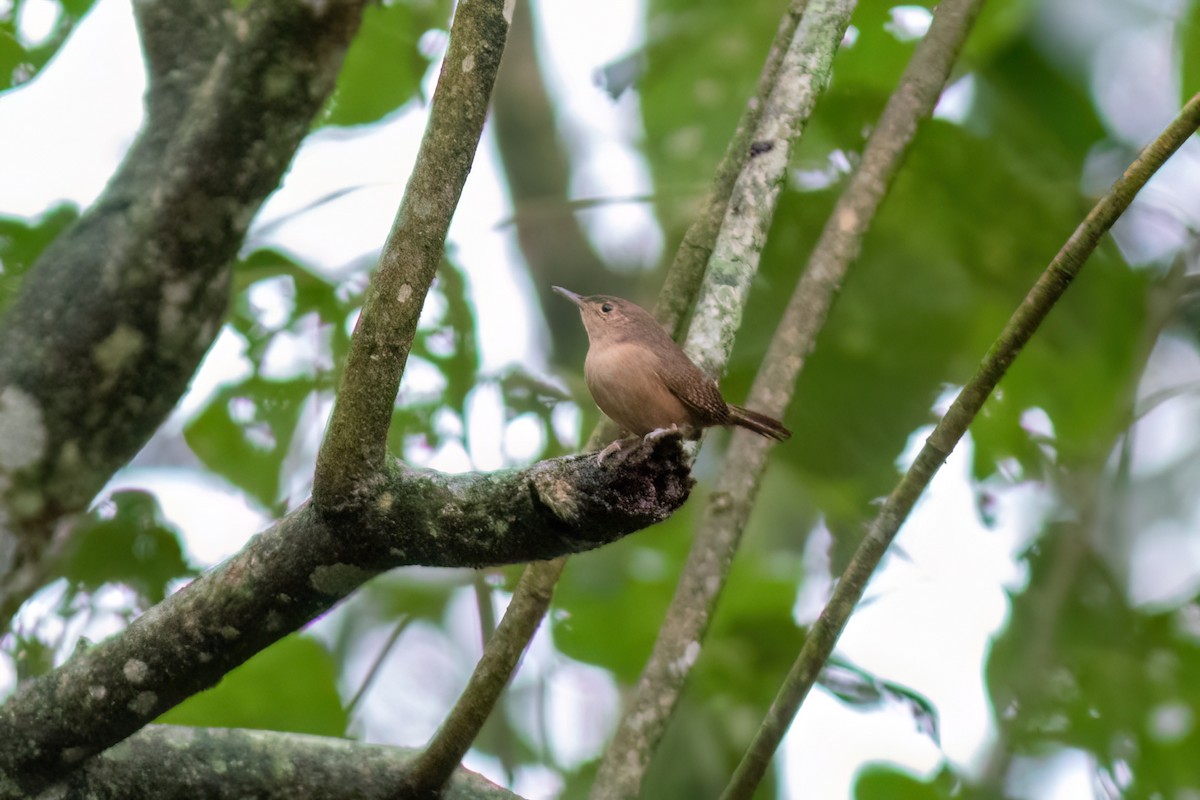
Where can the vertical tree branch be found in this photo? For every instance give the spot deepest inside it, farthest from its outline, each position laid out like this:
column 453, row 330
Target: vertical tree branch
column 1016, row 334
column 351, row 458
column 803, row 75
column 686, row 272
column 656, row 696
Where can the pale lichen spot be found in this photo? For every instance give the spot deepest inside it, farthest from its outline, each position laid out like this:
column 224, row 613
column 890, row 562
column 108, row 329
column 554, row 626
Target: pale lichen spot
column 404, row 293
column 143, row 705
column 73, row 755
column 118, row 348
column 136, row 671
column 22, row 430
column 98, row 692
column 468, row 63
column 229, row 633
column 384, row 503
column 203, row 657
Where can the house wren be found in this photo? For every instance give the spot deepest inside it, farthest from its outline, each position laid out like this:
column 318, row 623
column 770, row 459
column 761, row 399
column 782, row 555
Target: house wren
column 644, row 381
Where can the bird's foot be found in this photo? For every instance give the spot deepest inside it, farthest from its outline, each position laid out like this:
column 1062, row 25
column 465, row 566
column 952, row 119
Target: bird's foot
column 658, row 433
column 612, row 447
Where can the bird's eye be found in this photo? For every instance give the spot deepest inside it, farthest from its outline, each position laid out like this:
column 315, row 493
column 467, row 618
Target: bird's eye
column 607, row 307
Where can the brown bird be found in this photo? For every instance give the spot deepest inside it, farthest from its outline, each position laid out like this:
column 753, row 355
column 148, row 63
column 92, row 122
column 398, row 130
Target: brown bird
column 644, row 381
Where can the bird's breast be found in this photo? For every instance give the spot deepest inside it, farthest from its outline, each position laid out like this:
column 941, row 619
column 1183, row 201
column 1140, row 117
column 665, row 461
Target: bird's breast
column 625, row 382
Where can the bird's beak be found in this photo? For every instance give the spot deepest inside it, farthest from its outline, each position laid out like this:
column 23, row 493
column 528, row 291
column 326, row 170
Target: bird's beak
column 574, row 298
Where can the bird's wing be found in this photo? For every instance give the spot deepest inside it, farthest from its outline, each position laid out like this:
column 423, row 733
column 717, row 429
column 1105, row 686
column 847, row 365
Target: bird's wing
column 694, row 389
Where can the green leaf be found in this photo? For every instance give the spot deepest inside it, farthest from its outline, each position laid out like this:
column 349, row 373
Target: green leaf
column 20, row 61
column 383, row 67
column 127, row 540
column 244, row 433
column 885, row 782
column 291, row 686
column 22, row 242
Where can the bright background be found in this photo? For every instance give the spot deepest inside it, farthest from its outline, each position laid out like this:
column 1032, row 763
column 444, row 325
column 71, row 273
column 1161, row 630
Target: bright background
column 1052, row 101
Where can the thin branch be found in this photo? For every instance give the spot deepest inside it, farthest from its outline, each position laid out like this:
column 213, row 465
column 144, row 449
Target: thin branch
column 437, row 763
column 716, row 541
column 171, row 761
column 353, row 454
column 1020, row 328
column 302, row 566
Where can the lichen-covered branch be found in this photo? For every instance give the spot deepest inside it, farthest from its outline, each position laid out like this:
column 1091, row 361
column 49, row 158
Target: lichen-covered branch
column 801, row 78
column 112, row 320
column 165, row 761
column 354, row 451
column 950, row 429
column 306, row 563
column 682, row 282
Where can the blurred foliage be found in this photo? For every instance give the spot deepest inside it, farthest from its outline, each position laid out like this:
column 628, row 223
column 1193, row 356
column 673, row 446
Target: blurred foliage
column 385, row 64
column 990, row 191
column 126, row 540
column 291, row 686
column 22, row 57
column 1080, row 668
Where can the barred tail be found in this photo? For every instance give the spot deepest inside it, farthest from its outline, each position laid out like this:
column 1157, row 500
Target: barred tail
column 759, row 423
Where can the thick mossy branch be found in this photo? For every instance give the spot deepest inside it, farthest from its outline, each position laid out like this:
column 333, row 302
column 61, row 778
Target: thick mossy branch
column 113, row 319
column 165, row 761
column 306, row 563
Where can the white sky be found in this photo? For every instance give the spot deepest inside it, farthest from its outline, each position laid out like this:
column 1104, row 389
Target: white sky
column 61, row 137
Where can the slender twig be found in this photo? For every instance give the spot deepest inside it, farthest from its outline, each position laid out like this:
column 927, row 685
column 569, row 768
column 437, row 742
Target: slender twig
column 437, row 763
column 377, row 664
column 355, row 446
column 715, row 543
column 1016, row 333
column 532, row 596
column 483, row 606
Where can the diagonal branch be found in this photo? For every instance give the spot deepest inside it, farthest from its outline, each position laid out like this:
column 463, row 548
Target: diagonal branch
column 646, row 715
column 1016, row 334
column 352, row 456
column 301, row 567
